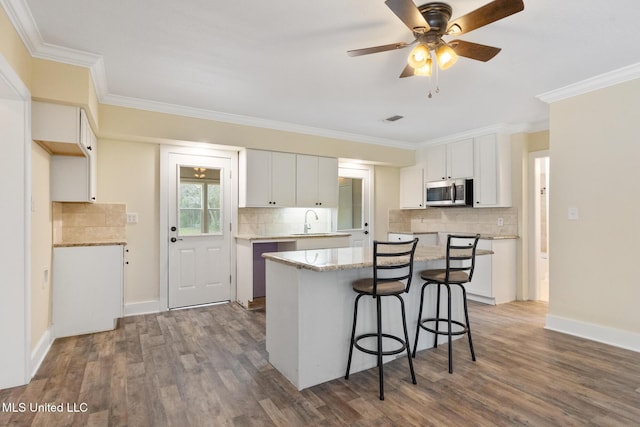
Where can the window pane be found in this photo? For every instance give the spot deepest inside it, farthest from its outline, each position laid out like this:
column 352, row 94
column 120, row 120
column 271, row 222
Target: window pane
column 214, row 208
column 199, row 201
column 190, row 206
column 350, row 204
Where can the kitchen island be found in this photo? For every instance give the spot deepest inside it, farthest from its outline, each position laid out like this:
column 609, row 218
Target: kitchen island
column 309, row 310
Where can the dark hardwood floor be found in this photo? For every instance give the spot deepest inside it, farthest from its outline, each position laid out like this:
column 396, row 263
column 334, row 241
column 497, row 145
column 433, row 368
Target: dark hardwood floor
column 208, row 367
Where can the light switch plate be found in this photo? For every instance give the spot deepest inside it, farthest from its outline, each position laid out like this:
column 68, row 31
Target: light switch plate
column 572, row 214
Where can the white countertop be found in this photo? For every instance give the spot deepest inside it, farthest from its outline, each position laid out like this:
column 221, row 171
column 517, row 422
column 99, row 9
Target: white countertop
column 348, row 258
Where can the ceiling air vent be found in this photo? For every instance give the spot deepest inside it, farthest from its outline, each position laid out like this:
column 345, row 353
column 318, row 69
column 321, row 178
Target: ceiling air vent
column 394, row 118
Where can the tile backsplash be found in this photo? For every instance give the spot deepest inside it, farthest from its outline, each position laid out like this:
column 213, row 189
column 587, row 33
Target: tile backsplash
column 88, row 222
column 467, row 220
column 270, row 221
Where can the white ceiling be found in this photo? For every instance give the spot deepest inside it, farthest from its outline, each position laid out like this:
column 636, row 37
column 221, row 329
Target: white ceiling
column 283, row 63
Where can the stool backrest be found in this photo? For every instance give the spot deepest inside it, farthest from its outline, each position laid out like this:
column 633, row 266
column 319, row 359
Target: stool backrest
column 393, row 261
column 462, row 250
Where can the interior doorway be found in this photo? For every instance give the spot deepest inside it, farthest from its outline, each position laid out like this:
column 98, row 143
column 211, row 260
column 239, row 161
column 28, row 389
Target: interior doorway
column 539, row 166
column 355, row 203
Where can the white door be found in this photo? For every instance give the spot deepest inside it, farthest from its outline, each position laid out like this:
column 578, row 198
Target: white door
column 355, row 203
column 199, row 220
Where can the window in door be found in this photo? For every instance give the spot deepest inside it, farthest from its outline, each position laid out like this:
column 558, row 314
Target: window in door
column 200, row 201
column 350, row 203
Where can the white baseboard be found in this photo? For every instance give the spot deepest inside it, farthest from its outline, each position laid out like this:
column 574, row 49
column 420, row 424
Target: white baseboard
column 143, row 307
column 591, row 331
column 40, row 351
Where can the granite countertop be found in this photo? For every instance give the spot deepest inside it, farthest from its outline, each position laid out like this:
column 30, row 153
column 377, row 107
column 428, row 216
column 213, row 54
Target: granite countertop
column 485, row 236
column 95, row 243
column 349, row 258
column 289, row 236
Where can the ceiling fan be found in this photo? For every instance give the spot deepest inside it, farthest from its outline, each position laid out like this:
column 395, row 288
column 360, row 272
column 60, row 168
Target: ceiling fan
column 430, row 22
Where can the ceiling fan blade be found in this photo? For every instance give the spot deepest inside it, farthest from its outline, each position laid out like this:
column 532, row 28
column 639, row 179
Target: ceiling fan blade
column 407, row 72
column 376, row 49
column 479, row 52
column 484, row 15
column 408, row 13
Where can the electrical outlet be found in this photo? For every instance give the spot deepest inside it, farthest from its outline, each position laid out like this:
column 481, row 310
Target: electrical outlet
column 132, row 218
column 500, row 222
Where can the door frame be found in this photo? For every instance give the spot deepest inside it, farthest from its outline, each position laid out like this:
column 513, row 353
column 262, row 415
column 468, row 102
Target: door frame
column 165, row 170
column 532, row 290
column 17, row 351
column 369, row 170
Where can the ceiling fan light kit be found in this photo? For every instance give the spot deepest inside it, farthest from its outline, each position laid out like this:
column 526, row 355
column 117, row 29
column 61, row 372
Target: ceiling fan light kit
column 430, row 22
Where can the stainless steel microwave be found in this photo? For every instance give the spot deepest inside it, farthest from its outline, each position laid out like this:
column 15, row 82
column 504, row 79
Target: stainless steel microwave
column 457, row 192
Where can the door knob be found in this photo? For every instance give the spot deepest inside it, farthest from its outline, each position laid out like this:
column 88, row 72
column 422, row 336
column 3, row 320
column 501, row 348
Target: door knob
column 173, row 240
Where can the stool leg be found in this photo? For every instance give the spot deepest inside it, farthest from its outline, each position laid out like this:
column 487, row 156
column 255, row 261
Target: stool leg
column 380, row 371
column 406, row 339
column 415, row 343
column 353, row 335
column 435, row 336
column 449, row 328
column 466, row 318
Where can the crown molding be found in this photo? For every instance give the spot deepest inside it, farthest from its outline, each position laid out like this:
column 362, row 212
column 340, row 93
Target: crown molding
column 22, row 19
column 621, row 75
column 198, row 113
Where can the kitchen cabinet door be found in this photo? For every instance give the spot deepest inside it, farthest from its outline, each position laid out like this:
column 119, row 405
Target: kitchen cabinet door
column 436, row 163
column 267, row 179
column 492, row 181
column 494, row 277
column 412, row 191
column 283, row 176
column 316, row 181
column 87, row 289
column 460, row 159
column 450, row 161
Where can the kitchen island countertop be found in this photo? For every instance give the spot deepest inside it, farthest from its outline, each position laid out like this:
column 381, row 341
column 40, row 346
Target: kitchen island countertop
column 349, row 257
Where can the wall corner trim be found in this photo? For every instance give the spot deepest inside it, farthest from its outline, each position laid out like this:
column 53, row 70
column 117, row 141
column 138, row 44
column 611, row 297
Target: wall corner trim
column 602, row 81
column 41, row 350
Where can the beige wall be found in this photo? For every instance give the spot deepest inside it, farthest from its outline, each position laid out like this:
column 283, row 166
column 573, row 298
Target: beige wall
column 387, row 196
column 128, row 172
column 128, row 124
column 595, row 152
column 40, row 244
column 13, row 50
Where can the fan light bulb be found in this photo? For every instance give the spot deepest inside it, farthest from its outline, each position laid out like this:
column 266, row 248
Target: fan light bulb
column 446, row 56
column 418, row 56
column 425, row 70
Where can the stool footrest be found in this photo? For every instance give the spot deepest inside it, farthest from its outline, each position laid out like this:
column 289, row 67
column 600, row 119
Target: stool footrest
column 375, row 352
column 421, row 324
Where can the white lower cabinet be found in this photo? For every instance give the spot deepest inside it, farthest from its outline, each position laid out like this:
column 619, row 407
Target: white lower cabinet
column 87, row 289
column 494, row 277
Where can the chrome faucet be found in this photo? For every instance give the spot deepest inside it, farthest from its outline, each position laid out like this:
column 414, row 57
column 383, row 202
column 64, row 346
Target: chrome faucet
column 307, row 227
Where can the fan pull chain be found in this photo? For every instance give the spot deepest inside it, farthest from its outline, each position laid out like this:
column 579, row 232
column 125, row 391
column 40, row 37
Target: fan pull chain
column 437, row 91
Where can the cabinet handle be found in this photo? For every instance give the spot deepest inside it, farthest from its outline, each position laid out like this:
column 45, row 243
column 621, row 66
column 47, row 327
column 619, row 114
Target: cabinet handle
column 89, row 148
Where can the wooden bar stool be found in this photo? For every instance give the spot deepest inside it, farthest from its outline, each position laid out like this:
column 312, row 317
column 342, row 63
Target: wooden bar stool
column 460, row 263
column 392, row 272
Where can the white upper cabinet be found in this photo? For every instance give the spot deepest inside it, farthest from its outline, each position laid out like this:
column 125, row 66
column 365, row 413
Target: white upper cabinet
column 412, row 188
column 65, row 132
column 316, row 181
column 492, row 181
column 267, row 179
column 450, row 161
